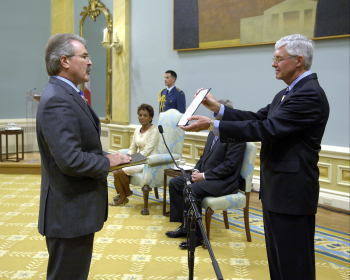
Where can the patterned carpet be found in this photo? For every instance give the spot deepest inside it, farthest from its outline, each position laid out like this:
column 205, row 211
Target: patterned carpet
column 134, row 247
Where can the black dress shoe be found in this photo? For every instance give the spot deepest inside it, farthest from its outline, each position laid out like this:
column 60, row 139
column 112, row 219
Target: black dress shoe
column 184, row 245
column 179, row 232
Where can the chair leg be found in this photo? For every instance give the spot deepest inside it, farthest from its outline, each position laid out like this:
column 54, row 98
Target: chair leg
column 224, row 214
column 145, row 189
column 246, row 218
column 208, row 213
column 156, row 192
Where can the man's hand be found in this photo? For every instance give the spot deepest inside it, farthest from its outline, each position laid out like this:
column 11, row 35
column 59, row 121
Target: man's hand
column 211, row 103
column 117, row 159
column 197, row 176
column 201, row 123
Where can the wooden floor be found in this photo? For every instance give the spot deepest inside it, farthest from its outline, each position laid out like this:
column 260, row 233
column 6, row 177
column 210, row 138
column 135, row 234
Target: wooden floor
column 325, row 217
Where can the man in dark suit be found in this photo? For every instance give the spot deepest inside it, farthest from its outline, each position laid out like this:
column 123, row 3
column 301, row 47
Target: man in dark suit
column 73, row 199
column 290, row 130
column 216, row 173
column 171, row 97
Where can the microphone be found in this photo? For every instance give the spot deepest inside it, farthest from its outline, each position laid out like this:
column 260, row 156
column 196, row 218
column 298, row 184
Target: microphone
column 191, row 217
column 160, row 129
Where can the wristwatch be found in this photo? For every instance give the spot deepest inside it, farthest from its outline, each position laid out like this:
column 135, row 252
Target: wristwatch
column 211, row 126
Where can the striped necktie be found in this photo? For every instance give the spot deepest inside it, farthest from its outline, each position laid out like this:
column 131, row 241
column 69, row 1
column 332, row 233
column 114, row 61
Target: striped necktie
column 214, row 141
column 82, row 96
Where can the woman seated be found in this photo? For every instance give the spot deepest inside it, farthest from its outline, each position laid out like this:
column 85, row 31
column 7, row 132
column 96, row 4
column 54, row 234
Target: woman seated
column 144, row 141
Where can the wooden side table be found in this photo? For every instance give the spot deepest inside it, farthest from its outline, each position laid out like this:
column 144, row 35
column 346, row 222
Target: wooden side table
column 17, row 133
column 171, row 172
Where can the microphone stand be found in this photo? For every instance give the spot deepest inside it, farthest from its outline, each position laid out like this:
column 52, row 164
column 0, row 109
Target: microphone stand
column 193, row 219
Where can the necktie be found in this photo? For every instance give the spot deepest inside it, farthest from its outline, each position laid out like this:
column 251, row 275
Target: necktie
column 82, row 96
column 285, row 94
column 214, row 141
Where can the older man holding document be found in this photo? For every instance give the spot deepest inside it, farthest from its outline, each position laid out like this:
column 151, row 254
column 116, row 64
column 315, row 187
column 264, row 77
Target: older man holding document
column 290, row 129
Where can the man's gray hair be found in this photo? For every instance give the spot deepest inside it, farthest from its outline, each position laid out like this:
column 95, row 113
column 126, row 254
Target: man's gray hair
column 226, row 102
column 298, row 45
column 57, row 46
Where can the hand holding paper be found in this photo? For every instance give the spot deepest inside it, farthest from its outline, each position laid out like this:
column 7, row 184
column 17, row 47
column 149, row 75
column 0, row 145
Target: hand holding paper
column 117, row 159
column 134, row 159
column 211, row 103
column 201, row 123
column 200, row 95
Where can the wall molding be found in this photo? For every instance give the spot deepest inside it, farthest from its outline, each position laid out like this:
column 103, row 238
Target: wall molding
column 334, row 161
column 334, row 165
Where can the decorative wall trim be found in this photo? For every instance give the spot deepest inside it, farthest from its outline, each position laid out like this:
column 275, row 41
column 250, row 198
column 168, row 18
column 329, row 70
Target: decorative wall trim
column 325, row 172
column 334, row 164
column 334, row 199
column 343, row 175
column 334, row 161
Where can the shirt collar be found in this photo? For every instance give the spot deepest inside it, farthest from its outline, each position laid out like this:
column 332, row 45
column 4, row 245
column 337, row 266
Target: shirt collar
column 67, row 82
column 306, row 73
column 169, row 89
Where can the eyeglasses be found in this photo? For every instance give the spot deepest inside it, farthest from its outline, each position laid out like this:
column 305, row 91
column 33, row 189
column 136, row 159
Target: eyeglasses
column 83, row 56
column 278, row 59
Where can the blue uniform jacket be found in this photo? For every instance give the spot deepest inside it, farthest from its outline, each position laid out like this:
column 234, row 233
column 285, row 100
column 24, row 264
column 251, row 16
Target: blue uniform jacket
column 175, row 99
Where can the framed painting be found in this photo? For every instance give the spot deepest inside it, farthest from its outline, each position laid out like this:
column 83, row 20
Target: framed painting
column 205, row 24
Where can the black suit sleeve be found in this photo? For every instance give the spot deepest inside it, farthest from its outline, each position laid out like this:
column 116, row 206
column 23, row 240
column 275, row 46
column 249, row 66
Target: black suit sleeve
column 300, row 112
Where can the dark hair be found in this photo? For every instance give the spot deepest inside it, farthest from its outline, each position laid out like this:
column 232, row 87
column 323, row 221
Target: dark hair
column 172, row 73
column 146, row 107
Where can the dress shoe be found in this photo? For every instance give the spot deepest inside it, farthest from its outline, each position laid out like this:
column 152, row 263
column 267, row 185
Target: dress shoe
column 184, row 245
column 119, row 202
column 179, row 232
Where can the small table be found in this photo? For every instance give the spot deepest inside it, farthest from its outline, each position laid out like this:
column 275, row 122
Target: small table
column 171, row 172
column 16, row 132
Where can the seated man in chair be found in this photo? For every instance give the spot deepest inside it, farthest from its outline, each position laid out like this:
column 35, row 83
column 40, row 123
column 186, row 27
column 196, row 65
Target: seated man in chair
column 217, row 173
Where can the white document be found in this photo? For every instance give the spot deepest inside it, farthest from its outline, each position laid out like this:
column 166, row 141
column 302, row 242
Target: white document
column 193, row 106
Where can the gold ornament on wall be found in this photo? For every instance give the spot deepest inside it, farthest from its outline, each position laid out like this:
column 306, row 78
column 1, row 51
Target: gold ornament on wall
column 110, row 41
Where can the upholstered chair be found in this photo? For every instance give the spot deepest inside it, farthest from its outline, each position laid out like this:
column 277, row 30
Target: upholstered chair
column 153, row 172
column 237, row 200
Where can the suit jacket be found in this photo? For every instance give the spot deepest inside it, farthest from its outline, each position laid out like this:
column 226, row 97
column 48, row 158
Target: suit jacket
column 221, row 166
column 290, row 133
column 73, row 198
column 175, row 99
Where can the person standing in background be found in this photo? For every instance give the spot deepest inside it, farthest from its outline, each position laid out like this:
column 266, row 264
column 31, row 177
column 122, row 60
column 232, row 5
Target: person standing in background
column 171, row 97
column 73, row 198
column 290, row 130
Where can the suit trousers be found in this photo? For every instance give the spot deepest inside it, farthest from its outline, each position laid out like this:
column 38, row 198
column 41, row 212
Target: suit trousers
column 178, row 207
column 69, row 258
column 290, row 245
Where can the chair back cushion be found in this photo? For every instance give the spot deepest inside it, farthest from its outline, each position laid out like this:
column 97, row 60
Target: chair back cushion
column 174, row 136
column 248, row 165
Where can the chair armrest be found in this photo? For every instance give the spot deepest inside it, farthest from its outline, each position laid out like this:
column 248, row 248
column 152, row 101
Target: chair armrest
column 158, row 159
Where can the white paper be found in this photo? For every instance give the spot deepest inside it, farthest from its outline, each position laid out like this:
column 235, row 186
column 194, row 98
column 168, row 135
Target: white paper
column 193, row 106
